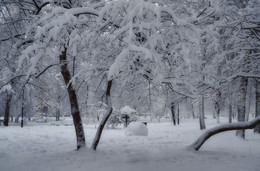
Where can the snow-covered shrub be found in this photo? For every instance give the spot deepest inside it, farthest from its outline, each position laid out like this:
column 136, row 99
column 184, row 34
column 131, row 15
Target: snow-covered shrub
column 136, row 129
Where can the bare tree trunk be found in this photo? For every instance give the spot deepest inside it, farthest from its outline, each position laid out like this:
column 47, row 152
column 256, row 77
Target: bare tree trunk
column 73, row 101
column 257, row 105
column 16, row 120
column 241, row 105
column 178, row 114
column 248, row 98
column 217, row 111
column 230, row 104
column 192, row 110
column 57, row 114
column 173, row 113
column 105, row 118
column 7, row 109
column 58, row 106
column 217, row 105
column 222, row 128
column 230, row 112
column 22, row 107
column 201, row 113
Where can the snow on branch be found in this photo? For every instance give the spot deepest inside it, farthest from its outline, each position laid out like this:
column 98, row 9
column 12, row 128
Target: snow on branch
column 15, row 77
column 83, row 10
column 222, row 128
column 241, row 74
column 122, row 59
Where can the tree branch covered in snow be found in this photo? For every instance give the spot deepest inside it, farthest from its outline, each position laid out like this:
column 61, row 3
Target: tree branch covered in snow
column 222, row 128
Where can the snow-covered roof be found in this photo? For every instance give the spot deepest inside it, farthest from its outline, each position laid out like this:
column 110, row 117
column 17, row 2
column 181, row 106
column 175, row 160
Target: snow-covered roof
column 127, row 110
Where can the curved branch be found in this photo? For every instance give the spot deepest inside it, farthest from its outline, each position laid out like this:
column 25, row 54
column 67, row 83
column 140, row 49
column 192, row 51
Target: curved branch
column 222, row 128
column 40, row 7
column 18, row 76
column 38, row 75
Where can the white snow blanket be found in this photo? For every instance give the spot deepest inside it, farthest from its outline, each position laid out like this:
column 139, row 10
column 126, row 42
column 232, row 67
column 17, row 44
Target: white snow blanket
column 136, row 129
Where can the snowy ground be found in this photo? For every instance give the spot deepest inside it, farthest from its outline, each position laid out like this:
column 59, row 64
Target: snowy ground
column 46, row 147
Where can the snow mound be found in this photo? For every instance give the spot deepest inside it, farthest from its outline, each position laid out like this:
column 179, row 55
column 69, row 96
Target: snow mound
column 136, row 129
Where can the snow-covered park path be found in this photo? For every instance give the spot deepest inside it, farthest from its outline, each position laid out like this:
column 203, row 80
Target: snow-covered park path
column 48, row 147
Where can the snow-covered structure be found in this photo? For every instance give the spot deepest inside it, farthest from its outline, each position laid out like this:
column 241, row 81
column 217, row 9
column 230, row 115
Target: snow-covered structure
column 128, row 115
column 136, row 129
column 126, row 110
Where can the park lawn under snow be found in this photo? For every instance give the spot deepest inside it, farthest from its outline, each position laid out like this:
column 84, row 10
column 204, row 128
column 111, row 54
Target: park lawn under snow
column 47, row 147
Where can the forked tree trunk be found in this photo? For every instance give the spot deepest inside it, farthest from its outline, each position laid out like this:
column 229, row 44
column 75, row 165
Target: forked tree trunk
column 105, row 118
column 201, row 113
column 222, row 128
column 241, row 105
column 7, row 109
column 73, row 101
column 257, row 105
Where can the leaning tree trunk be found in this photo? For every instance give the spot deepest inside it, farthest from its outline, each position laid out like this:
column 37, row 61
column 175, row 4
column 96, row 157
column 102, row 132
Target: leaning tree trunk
column 7, row 109
column 105, row 118
column 73, row 101
column 201, row 113
column 257, row 105
column 222, row 128
column 241, row 105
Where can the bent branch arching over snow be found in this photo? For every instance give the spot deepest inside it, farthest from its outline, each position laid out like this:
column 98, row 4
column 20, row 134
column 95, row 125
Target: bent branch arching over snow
column 222, row 128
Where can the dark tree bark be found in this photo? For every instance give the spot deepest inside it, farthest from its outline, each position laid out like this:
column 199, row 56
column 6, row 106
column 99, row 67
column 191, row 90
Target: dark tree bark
column 257, row 105
column 173, row 113
column 57, row 114
column 192, row 111
column 178, row 114
column 241, row 105
column 217, row 105
column 222, row 128
column 7, row 109
column 22, row 107
column 73, row 101
column 201, row 113
column 230, row 113
column 105, row 118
